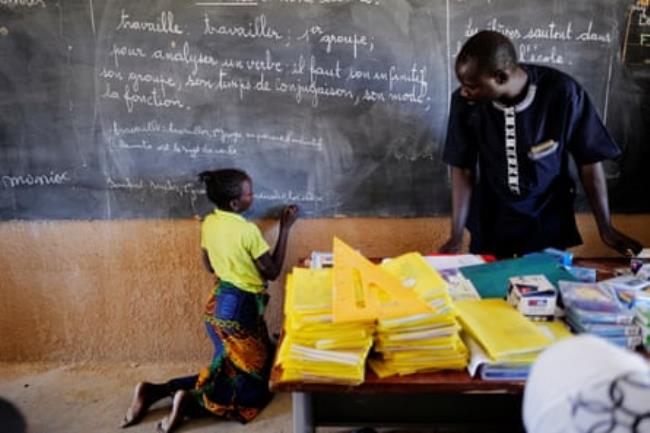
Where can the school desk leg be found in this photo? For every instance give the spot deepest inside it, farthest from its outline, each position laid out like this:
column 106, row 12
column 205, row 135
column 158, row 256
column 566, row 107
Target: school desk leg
column 303, row 420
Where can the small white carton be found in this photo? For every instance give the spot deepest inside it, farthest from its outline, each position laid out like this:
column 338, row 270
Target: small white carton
column 533, row 295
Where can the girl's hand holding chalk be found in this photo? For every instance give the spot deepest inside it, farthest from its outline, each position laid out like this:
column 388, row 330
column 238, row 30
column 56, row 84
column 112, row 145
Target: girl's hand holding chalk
column 289, row 215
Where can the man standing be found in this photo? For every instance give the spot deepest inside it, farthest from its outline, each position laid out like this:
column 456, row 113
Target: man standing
column 511, row 130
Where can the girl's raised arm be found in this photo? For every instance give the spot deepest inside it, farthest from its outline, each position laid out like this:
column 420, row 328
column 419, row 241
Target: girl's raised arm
column 270, row 265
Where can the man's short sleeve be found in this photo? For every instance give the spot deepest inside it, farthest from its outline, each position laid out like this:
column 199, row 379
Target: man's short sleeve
column 460, row 150
column 587, row 138
column 254, row 242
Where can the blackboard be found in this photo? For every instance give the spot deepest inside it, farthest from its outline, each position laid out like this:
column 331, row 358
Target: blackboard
column 109, row 109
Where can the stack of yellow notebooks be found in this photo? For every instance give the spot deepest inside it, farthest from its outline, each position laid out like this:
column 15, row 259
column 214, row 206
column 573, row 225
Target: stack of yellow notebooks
column 420, row 341
column 332, row 314
column 314, row 348
column 502, row 337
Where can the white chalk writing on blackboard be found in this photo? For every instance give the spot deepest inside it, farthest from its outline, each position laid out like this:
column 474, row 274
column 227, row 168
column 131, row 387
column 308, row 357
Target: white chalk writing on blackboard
column 126, row 51
column 155, row 97
column 531, row 41
column 590, row 35
column 316, row 62
column 193, row 190
column 229, row 3
column 51, row 178
column 331, row 40
column 220, row 135
column 317, row 2
column 164, row 24
column 289, row 196
column 551, row 32
column 191, row 150
column 257, row 29
column 23, row 3
column 182, row 189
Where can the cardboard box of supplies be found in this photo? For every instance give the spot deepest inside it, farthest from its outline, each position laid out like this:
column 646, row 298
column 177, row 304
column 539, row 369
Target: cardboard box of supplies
column 533, row 295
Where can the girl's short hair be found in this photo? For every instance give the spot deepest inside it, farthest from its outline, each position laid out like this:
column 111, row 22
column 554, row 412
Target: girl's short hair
column 223, row 185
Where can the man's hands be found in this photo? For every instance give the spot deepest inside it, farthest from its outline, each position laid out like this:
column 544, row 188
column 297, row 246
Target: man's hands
column 620, row 242
column 462, row 181
column 452, row 246
column 593, row 180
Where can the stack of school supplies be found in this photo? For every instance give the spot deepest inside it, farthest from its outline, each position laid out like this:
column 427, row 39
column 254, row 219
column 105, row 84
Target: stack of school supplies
column 515, row 368
column 643, row 320
column 410, row 343
column 331, row 314
column 458, row 286
column 455, row 261
column 314, row 348
column 491, row 279
column 448, row 266
column 501, row 338
column 592, row 308
column 533, row 295
column 631, row 290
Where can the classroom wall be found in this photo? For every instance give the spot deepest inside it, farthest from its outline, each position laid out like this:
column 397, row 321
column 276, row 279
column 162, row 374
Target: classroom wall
column 133, row 290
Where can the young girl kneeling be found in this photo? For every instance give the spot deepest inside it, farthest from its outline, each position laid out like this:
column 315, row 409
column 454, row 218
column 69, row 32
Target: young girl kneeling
column 235, row 384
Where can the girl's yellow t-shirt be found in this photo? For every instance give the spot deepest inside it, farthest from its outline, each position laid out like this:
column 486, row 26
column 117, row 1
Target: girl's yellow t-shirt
column 233, row 244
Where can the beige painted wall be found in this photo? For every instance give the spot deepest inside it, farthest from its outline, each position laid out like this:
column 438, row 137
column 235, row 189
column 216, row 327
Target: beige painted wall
column 134, row 290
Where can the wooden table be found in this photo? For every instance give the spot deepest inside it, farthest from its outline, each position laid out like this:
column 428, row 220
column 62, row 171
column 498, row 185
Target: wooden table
column 451, row 400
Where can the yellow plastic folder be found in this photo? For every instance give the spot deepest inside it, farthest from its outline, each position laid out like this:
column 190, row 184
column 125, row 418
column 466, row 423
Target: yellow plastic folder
column 365, row 291
column 415, row 273
column 422, row 334
column 556, row 330
column 315, row 295
column 385, row 368
column 500, row 329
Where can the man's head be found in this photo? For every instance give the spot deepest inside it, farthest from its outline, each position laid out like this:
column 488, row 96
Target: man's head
column 485, row 66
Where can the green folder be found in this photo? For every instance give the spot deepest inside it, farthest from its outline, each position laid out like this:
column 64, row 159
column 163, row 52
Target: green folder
column 491, row 279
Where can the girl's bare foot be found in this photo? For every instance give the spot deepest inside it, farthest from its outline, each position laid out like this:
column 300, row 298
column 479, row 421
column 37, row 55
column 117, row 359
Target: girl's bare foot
column 171, row 421
column 144, row 395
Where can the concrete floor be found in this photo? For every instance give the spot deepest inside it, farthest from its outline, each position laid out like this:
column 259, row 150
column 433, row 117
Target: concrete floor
column 87, row 398
column 92, row 398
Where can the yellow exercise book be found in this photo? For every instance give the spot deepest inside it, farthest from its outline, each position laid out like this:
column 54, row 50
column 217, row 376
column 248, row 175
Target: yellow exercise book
column 311, row 291
column 500, row 329
column 415, row 273
column 556, row 330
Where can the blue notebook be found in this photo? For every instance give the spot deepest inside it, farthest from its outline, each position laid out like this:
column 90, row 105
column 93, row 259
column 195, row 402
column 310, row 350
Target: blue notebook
column 490, row 372
column 491, row 279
